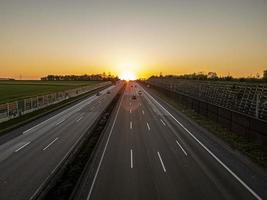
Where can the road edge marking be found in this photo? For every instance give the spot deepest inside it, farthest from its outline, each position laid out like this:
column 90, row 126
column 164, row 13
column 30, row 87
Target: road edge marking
column 209, row 151
column 102, row 156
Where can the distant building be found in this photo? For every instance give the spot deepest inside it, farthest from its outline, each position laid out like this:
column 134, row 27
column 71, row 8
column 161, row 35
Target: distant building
column 265, row 74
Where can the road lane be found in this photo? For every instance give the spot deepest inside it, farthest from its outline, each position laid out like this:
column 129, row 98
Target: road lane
column 22, row 173
column 222, row 175
column 167, row 164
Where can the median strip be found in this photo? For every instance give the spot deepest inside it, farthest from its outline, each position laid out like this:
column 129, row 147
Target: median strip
column 63, row 179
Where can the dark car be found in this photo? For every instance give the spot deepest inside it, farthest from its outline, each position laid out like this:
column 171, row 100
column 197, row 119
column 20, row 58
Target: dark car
column 108, row 92
column 98, row 94
column 133, row 97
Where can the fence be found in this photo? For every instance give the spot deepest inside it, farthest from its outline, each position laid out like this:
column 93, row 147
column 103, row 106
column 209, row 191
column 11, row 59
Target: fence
column 247, row 98
column 15, row 109
column 240, row 123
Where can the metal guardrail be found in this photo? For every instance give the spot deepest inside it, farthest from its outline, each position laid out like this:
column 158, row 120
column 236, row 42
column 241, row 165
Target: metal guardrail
column 18, row 108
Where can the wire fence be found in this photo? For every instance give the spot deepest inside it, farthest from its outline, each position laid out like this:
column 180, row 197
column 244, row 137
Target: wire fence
column 247, row 98
column 18, row 108
column 242, row 124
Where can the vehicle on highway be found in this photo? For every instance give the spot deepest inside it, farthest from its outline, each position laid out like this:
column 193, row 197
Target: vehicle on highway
column 134, row 97
column 108, row 92
column 98, row 94
column 139, row 92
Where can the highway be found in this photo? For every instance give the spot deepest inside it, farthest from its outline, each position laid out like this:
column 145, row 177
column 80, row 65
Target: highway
column 150, row 152
column 28, row 160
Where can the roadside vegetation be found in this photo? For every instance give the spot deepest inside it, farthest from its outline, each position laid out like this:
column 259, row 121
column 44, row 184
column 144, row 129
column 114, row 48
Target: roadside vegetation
column 19, row 121
column 253, row 150
column 212, row 76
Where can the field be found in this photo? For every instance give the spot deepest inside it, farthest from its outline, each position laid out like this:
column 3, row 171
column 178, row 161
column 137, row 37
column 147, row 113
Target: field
column 15, row 90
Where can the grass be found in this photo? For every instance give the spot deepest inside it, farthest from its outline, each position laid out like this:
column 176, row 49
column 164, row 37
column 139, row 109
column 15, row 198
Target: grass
column 251, row 149
column 19, row 121
column 16, row 90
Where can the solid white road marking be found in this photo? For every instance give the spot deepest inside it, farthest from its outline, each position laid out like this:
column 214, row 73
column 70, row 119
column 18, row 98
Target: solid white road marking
column 148, row 127
column 102, row 156
column 60, row 122
column 209, row 151
column 181, row 147
column 162, row 122
column 131, row 158
column 162, row 164
column 131, row 125
column 143, row 112
column 50, row 144
column 22, row 146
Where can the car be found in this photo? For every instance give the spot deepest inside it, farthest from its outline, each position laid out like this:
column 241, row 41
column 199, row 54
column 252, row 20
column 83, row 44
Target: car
column 131, row 85
column 139, row 92
column 98, row 94
column 133, row 97
column 108, row 92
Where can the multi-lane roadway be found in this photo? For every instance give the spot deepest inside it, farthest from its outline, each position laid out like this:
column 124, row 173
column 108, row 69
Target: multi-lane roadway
column 28, row 160
column 149, row 153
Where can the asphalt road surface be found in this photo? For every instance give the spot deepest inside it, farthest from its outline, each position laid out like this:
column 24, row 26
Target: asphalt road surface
column 148, row 153
column 29, row 159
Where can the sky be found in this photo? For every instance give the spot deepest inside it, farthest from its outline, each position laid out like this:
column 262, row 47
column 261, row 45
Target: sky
column 40, row 37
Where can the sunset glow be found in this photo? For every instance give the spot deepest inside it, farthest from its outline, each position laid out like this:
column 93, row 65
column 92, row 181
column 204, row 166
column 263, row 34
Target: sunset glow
column 128, row 76
column 172, row 37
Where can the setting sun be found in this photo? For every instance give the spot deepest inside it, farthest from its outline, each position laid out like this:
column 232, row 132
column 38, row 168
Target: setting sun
column 128, row 76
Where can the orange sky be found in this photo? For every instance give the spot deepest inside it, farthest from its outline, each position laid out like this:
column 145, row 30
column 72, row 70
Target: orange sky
column 146, row 37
